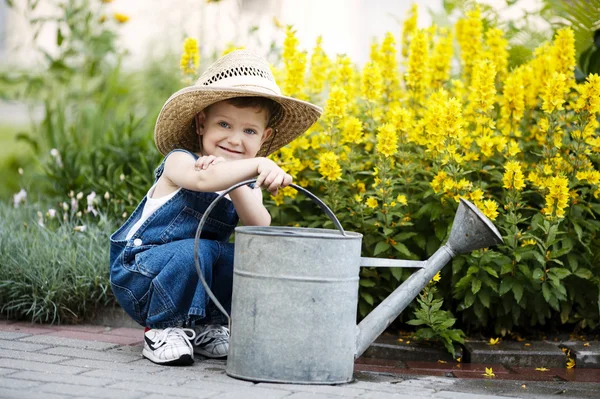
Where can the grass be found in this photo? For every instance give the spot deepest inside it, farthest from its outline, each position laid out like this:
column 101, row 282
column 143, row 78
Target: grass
column 52, row 274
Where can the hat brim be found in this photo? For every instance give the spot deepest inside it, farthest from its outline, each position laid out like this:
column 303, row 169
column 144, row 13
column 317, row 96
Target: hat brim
column 173, row 128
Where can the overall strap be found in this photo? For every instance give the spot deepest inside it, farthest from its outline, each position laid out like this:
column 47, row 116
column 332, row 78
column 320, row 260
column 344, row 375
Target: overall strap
column 160, row 169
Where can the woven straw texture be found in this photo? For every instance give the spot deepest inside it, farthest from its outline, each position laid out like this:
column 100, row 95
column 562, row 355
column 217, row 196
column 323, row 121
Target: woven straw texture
column 238, row 74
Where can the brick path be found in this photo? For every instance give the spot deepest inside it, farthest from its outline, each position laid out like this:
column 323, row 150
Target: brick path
column 101, row 362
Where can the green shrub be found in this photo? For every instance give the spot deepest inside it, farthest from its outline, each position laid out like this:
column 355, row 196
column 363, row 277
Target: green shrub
column 56, row 273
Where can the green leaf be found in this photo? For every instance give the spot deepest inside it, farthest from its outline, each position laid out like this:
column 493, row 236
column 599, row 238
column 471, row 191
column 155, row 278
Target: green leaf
column 490, row 271
column 546, row 291
column 59, row 37
column 367, row 283
column 380, row 247
column 537, row 274
column 505, row 285
column 559, row 272
column 396, row 272
column 583, row 273
column 402, row 249
column 475, row 286
column 469, row 299
column 517, row 289
column 484, row 297
column 367, row 297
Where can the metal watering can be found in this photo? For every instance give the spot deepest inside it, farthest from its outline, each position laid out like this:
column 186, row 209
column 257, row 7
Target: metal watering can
column 295, row 295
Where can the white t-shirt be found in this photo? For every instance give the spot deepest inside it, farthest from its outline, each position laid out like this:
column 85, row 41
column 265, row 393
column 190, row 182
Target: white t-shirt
column 151, row 205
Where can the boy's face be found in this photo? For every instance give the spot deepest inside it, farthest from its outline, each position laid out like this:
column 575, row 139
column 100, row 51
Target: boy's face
column 230, row 132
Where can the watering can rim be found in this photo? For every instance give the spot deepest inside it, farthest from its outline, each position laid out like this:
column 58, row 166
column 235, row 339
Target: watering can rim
column 301, row 232
column 483, row 218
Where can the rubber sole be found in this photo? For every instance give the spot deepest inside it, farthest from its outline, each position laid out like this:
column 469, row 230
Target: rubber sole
column 184, row 360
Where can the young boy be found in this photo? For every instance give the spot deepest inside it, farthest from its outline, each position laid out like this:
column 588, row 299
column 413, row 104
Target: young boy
column 213, row 134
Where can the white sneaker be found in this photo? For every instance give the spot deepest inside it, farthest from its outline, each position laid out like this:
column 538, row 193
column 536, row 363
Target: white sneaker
column 170, row 346
column 211, row 341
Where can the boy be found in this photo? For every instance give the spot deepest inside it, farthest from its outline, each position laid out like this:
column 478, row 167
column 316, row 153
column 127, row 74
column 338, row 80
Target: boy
column 213, row 134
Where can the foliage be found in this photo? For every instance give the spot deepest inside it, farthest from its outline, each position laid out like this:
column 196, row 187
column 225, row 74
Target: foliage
column 438, row 322
column 96, row 130
column 395, row 151
column 52, row 269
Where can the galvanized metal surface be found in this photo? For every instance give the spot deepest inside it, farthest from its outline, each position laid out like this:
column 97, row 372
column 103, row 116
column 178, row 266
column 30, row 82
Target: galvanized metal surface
column 295, row 296
column 295, row 293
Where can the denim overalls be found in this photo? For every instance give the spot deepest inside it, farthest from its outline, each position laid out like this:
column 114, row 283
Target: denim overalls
column 153, row 275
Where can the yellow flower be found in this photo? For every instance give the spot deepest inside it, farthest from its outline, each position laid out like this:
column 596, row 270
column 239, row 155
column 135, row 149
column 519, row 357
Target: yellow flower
column 494, row 341
column 120, row 18
column 489, row 373
column 513, row 176
column 357, row 198
column 329, row 166
column 190, row 58
column 337, row 103
column 417, row 75
column 294, row 62
column 557, row 198
column 372, row 202
column 469, row 32
column 387, row 140
column 570, row 363
column 352, row 131
column 319, row 68
column 476, row 195
column 490, row 209
column 437, row 277
column 544, row 369
column 553, row 94
column 401, row 199
column 525, row 243
column 371, row 82
column 410, row 24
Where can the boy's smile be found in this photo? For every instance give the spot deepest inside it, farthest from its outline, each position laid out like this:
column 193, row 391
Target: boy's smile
column 231, row 132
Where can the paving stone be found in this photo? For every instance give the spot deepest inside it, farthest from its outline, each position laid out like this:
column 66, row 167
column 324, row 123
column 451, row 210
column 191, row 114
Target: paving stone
column 387, row 395
column 585, row 356
column 87, row 336
column 307, row 395
column 388, row 347
column 379, row 362
column 90, row 392
column 10, row 382
column 179, row 391
column 539, row 354
column 92, row 354
column 26, row 328
column 4, row 371
column 463, row 395
column 82, row 328
column 339, row 390
column 453, row 366
column 22, row 346
column 60, row 378
column 139, row 376
column 33, row 356
column 254, row 393
column 127, row 332
column 38, row 366
column 12, row 335
column 111, row 365
column 579, row 375
column 6, row 393
column 62, row 341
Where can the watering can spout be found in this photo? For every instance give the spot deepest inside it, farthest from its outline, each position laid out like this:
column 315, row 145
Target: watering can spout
column 471, row 230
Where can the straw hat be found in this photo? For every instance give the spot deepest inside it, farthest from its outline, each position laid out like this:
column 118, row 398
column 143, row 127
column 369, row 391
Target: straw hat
column 240, row 73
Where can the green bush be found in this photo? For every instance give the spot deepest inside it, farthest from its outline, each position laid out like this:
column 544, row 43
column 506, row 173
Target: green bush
column 56, row 273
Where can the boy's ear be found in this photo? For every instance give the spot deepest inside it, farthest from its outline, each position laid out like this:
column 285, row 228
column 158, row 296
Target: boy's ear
column 200, row 118
column 266, row 135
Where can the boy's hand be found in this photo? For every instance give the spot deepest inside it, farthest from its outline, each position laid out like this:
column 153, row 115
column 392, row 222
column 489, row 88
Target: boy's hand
column 207, row 160
column 271, row 176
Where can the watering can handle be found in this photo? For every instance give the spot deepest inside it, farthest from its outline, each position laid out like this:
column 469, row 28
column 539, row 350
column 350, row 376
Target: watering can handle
column 313, row 197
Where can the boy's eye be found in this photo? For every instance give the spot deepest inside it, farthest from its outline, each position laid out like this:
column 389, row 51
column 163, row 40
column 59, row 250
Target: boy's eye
column 224, row 124
column 250, row 131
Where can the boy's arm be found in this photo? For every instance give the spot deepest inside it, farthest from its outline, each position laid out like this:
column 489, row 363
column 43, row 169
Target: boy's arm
column 180, row 171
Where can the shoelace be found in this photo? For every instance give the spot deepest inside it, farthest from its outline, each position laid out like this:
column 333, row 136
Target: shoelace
column 175, row 332
column 216, row 332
